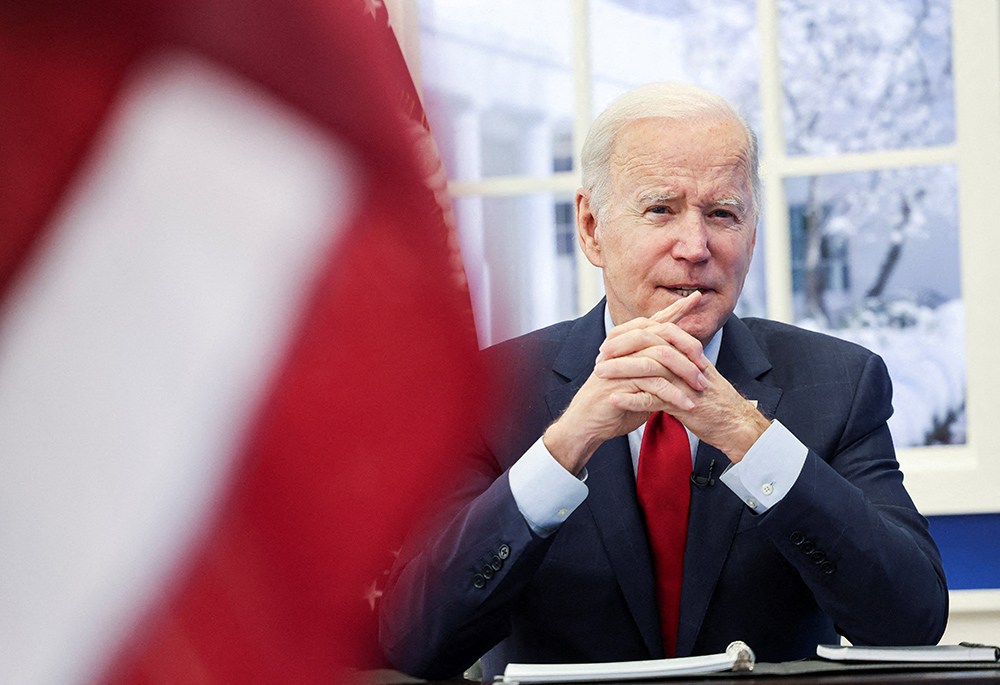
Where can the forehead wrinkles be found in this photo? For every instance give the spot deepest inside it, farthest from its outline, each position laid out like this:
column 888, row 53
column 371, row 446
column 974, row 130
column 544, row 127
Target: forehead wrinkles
column 651, row 174
column 646, row 154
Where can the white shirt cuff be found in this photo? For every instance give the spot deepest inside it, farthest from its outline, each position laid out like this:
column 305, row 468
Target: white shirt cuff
column 768, row 470
column 545, row 492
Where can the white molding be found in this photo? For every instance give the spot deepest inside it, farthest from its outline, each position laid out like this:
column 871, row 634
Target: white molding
column 975, row 601
column 974, row 616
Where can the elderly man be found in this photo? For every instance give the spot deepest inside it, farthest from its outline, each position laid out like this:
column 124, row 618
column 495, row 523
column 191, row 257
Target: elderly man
column 661, row 477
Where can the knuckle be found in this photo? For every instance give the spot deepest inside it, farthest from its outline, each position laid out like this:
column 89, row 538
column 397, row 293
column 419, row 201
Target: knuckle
column 660, row 386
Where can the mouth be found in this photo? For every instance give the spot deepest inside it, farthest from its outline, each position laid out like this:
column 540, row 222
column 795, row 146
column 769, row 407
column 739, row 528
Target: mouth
column 685, row 291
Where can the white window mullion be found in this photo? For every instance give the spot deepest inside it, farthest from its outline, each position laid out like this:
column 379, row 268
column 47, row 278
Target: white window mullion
column 499, row 186
column 803, row 165
column 777, row 243
column 589, row 286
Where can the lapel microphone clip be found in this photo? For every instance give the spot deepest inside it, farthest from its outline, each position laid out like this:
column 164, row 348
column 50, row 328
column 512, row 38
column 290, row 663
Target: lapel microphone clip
column 702, row 481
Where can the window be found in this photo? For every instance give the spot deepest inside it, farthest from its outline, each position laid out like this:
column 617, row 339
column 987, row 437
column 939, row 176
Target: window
column 880, row 130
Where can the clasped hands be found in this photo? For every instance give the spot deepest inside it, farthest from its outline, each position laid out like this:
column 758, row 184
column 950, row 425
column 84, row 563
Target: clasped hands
column 647, row 365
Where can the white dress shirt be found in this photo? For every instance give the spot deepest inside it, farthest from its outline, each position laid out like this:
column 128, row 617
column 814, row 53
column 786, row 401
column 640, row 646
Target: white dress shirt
column 546, row 493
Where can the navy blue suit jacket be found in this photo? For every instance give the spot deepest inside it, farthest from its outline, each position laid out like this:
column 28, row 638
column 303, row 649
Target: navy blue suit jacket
column 844, row 552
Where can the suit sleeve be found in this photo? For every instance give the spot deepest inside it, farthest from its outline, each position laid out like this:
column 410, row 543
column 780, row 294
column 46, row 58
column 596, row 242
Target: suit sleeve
column 852, row 532
column 450, row 595
column 460, row 575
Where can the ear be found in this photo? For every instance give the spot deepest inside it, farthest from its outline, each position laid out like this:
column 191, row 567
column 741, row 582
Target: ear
column 586, row 229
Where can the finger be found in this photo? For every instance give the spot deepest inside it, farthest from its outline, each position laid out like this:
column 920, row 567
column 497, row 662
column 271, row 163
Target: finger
column 673, row 395
column 631, row 341
column 643, row 341
column 631, row 325
column 677, row 337
column 663, row 361
column 640, row 339
column 636, row 402
column 652, row 394
column 676, row 311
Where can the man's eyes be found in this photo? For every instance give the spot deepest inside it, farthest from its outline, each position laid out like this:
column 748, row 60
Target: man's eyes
column 723, row 214
column 718, row 213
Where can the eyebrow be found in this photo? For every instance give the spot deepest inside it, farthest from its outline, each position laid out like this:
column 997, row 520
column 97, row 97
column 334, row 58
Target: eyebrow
column 731, row 202
column 653, row 198
column 658, row 197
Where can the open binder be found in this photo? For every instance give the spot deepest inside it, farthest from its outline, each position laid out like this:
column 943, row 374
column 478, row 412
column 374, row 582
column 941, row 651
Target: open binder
column 962, row 652
column 737, row 657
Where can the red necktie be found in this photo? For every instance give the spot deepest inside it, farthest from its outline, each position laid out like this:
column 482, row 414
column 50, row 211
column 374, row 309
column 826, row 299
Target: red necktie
column 664, row 489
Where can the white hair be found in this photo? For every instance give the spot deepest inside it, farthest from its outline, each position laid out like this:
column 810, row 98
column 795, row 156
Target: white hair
column 675, row 101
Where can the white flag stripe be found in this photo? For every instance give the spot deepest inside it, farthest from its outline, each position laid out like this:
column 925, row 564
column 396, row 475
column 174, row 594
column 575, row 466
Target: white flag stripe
column 134, row 347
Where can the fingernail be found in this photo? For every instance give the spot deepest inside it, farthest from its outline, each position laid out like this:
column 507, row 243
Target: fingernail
column 702, row 381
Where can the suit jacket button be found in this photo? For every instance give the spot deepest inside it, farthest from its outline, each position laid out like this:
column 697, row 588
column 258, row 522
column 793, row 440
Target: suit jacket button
column 503, row 552
column 478, row 581
column 496, row 563
column 807, row 547
column 818, row 557
column 797, row 538
column 828, row 567
column 488, row 572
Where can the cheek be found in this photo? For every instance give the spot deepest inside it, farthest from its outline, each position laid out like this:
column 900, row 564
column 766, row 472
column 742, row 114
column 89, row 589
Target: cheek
column 736, row 259
column 620, row 250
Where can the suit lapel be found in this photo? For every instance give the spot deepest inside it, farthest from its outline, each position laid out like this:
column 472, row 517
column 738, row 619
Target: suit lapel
column 612, row 500
column 613, row 504
column 715, row 511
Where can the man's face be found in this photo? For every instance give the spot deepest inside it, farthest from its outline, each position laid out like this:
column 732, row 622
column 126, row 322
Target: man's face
column 679, row 217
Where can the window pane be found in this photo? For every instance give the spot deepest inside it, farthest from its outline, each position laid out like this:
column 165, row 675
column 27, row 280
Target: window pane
column 520, row 256
column 875, row 260
column 753, row 299
column 498, row 85
column 710, row 43
column 860, row 75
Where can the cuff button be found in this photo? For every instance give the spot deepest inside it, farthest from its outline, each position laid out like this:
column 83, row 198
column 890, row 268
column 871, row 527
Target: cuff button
column 503, row 552
column 478, row 581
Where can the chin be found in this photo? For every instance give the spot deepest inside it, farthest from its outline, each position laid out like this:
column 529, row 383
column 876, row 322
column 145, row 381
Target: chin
column 700, row 327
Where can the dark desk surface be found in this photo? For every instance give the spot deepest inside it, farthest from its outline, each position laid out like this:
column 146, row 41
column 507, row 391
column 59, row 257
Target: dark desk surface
column 791, row 673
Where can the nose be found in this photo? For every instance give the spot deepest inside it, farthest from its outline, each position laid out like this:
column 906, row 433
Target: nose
column 690, row 238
